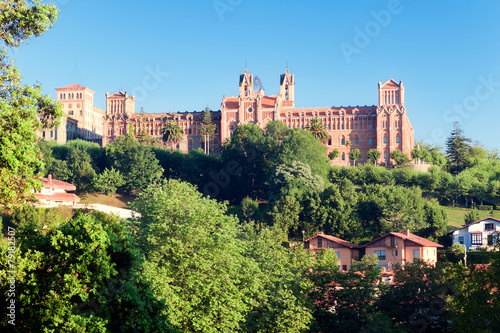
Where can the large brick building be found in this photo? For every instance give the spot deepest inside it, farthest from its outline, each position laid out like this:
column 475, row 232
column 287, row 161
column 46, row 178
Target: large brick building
column 385, row 126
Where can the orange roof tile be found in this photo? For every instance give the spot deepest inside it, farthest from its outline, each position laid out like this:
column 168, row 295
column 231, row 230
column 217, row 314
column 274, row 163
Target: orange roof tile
column 334, row 239
column 268, row 101
column 59, row 184
column 411, row 237
column 58, row 197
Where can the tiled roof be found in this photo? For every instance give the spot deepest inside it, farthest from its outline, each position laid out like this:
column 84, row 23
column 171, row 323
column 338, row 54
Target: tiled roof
column 411, row 237
column 72, row 86
column 59, row 184
column 334, row 239
column 466, row 226
column 268, row 101
column 58, row 197
column 232, row 103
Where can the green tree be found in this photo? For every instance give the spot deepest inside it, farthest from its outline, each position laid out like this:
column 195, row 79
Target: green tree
column 471, row 216
column 333, row 154
column 297, row 174
column 80, row 276
column 108, row 181
column 457, row 148
column 172, row 133
column 81, row 170
column 23, row 108
column 343, row 302
column 354, row 155
column 280, row 302
column 317, row 128
column 399, row 157
column 137, row 163
column 207, row 129
column 193, row 258
column 373, row 155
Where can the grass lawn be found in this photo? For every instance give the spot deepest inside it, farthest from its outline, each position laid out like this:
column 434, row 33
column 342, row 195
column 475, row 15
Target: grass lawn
column 456, row 216
column 118, row 200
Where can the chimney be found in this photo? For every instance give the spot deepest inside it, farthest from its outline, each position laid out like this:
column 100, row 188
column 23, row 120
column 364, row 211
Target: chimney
column 406, row 232
column 49, row 179
column 320, row 233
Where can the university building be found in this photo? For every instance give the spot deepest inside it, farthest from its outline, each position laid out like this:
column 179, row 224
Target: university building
column 384, row 126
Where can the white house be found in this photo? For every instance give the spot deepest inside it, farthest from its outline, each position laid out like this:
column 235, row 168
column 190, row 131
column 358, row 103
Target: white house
column 482, row 234
column 53, row 193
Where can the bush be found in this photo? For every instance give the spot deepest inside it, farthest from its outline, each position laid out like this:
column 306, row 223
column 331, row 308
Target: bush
column 484, row 207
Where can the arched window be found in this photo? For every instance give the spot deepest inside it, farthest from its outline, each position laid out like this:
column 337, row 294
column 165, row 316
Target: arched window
column 370, row 126
column 397, row 138
column 231, row 130
column 329, row 127
column 342, row 141
column 356, row 126
column 343, row 156
column 330, row 141
column 370, row 140
column 342, row 125
column 385, row 155
column 385, row 139
column 190, row 144
column 246, row 90
column 356, row 140
column 286, row 92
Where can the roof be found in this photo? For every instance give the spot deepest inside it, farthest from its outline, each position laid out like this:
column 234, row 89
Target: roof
column 232, row 103
column 268, row 101
column 334, row 239
column 59, row 184
column 58, row 197
column 390, row 84
column 411, row 237
column 119, row 93
column 468, row 225
column 73, row 86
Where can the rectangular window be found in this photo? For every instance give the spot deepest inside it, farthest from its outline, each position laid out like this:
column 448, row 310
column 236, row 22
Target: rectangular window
column 369, row 126
column 393, row 241
column 416, row 254
column 461, row 239
column 337, row 253
column 490, row 240
column 489, row 226
column 344, row 268
column 380, row 254
column 477, row 239
column 394, row 253
column 320, row 242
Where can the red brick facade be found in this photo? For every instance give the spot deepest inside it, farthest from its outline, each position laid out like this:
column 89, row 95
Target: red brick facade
column 385, row 126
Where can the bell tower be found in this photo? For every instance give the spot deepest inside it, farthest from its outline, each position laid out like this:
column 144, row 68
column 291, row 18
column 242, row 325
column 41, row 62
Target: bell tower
column 391, row 93
column 246, row 84
column 287, row 85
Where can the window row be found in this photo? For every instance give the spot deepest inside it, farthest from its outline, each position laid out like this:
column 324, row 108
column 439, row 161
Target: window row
column 71, row 96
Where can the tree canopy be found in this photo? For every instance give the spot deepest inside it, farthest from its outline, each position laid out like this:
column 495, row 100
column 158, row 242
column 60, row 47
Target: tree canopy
column 23, row 108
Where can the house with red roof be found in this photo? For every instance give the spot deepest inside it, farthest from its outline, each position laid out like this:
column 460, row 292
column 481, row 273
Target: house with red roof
column 344, row 250
column 54, row 193
column 397, row 248
column 482, row 234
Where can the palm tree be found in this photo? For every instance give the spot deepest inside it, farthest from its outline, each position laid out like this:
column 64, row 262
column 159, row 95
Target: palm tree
column 172, row 133
column 318, row 129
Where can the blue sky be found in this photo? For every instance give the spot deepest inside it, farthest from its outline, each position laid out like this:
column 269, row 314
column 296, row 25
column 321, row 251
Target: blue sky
column 185, row 55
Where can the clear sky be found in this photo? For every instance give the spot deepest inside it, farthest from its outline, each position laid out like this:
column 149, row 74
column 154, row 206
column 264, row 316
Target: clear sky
column 185, row 55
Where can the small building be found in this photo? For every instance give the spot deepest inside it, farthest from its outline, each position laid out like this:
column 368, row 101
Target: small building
column 482, row 234
column 399, row 248
column 53, row 193
column 344, row 250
